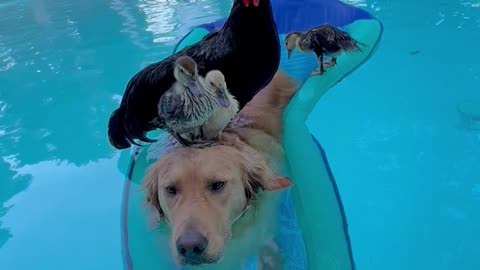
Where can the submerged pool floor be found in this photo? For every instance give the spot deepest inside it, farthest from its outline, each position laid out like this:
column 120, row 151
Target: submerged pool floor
column 404, row 158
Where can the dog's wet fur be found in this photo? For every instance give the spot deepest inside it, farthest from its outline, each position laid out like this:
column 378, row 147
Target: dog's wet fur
column 201, row 192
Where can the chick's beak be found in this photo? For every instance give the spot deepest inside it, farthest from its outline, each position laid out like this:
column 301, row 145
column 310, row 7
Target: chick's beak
column 196, row 90
column 254, row 2
column 222, row 99
column 289, row 53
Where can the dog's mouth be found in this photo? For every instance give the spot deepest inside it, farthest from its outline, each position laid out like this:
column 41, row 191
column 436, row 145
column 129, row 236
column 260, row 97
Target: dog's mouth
column 198, row 261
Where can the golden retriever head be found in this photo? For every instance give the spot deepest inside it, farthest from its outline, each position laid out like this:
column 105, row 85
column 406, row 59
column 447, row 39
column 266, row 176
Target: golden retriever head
column 201, row 192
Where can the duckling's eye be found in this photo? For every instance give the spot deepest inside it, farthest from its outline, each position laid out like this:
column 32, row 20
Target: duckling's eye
column 171, row 190
column 216, row 186
column 181, row 70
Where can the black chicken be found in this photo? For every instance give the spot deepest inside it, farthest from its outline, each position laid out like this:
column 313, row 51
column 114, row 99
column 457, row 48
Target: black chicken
column 246, row 50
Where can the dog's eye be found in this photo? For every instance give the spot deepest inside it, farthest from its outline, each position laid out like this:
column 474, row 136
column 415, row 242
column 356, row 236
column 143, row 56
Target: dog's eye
column 171, row 190
column 217, row 186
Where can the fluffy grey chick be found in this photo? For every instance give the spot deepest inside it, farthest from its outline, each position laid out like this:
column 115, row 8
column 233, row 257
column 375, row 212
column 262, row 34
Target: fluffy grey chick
column 186, row 105
column 325, row 39
column 221, row 117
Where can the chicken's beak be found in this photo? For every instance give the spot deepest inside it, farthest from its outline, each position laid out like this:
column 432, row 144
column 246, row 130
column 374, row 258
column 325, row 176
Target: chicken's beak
column 222, row 99
column 289, row 53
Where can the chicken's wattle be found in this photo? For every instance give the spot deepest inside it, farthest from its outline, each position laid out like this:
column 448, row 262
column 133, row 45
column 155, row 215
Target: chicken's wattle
column 254, row 2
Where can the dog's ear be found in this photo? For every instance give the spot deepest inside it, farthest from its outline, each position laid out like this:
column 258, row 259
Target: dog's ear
column 278, row 182
column 257, row 176
column 150, row 185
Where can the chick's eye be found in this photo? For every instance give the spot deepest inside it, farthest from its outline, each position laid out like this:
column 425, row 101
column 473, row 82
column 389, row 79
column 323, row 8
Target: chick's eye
column 217, row 186
column 171, row 190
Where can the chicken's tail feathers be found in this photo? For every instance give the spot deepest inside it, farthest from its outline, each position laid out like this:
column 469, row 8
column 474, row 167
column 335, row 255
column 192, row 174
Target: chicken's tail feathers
column 117, row 134
column 136, row 129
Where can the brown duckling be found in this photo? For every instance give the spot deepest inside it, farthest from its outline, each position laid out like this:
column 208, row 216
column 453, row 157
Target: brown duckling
column 325, row 39
column 186, row 105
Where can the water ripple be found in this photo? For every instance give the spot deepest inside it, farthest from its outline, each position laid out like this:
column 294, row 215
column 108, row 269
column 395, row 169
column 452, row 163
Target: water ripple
column 6, row 59
column 169, row 20
column 130, row 22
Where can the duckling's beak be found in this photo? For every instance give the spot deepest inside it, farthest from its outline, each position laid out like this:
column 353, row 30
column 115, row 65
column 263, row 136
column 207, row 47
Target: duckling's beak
column 222, row 99
column 289, row 53
column 196, row 89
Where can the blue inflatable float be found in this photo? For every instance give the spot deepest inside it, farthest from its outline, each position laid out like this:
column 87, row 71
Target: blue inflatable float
column 316, row 234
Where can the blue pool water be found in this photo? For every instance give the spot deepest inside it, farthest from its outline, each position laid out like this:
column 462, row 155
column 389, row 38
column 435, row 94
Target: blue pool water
column 405, row 159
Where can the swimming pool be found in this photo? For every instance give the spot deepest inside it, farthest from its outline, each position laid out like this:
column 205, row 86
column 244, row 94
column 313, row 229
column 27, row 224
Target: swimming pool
column 404, row 161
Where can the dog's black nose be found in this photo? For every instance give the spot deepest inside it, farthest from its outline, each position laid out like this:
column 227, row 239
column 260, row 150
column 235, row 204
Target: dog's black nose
column 191, row 244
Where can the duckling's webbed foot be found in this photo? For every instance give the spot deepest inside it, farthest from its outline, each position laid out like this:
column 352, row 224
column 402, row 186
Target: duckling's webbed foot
column 330, row 63
column 204, row 142
column 318, row 71
column 180, row 139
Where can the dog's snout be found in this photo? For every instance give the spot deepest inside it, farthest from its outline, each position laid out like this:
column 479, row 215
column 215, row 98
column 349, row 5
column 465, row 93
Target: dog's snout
column 191, row 245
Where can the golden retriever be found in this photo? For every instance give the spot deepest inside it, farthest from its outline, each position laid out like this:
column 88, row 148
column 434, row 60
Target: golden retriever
column 202, row 192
